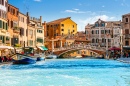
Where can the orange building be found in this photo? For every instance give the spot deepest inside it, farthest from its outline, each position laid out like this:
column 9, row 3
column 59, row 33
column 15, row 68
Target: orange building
column 58, row 30
column 13, row 24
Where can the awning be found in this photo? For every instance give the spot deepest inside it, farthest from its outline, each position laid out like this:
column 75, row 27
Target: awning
column 6, row 47
column 42, row 48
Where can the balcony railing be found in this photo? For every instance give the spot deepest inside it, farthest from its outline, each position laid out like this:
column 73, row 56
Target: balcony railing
column 16, row 30
column 127, row 36
column 3, row 30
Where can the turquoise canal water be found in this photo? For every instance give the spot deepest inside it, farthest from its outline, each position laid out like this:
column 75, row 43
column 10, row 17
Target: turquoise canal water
column 67, row 72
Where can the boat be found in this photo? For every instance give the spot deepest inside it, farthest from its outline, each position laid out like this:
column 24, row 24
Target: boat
column 40, row 58
column 51, row 56
column 24, row 61
column 83, row 55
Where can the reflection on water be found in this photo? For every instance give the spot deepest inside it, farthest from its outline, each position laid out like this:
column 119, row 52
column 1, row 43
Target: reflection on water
column 67, row 72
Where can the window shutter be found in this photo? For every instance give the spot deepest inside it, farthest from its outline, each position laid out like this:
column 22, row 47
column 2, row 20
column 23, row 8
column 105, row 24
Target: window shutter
column 0, row 24
column 6, row 26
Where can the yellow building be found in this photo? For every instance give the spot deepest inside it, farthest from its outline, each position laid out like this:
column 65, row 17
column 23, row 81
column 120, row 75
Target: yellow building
column 59, row 29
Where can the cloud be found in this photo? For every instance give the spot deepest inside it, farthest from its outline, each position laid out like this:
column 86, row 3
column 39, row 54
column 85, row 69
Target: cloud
column 37, row 0
column 91, row 20
column 74, row 11
column 124, row 3
column 103, row 6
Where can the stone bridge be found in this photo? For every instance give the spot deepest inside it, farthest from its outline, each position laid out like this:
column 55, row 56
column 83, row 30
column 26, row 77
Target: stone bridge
column 92, row 49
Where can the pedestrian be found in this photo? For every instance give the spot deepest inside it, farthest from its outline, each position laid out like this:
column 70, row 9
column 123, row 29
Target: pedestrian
column 127, row 55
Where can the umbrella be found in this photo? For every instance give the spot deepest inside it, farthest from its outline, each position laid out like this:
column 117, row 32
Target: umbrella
column 114, row 48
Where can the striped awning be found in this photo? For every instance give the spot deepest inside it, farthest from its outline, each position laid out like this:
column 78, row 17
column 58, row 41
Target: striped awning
column 42, row 48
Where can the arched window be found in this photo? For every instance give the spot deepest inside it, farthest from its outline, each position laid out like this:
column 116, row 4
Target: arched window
column 92, row 32
column 93, row 41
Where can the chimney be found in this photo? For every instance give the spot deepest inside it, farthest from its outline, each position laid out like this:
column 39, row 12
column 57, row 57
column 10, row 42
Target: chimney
column 41, row 20
column 28, row 18
column 27, row 14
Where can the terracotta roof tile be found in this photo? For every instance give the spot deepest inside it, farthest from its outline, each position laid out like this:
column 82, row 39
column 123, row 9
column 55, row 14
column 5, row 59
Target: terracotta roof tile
column 58, row 20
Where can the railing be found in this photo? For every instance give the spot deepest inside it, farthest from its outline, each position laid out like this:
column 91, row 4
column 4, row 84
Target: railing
column 79, row 46
column 127, row 36
column 16, row 29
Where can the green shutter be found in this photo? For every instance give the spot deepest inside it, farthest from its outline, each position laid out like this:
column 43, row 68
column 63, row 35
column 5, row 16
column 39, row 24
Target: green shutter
column 3, row 25
column 0, row 24
column 6, row 26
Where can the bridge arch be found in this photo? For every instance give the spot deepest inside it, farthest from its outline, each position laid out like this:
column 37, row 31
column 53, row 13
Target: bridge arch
column 66, row 51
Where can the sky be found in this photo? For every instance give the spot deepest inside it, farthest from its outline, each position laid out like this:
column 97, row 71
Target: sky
column 81, row 12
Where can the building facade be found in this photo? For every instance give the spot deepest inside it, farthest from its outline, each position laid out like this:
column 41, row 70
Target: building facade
column 126, row 29
column 13, row 29
column 23, row 28
column 59, row 29
column 4, row 35
column 104, row 33
column 35, row 31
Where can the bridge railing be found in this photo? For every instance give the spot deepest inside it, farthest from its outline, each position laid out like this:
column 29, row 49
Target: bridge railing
column 77, row 46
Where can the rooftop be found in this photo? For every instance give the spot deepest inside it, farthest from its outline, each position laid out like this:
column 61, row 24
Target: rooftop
column 58, row 20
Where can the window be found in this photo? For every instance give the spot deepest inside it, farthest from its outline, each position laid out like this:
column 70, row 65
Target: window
column 102, row 31
column 93, row 41
column 1, row 24
column 126, row 31
column 97, row 31
column 40, row 40
column 13, row 11
column 7, row 38
column 2, row 2
column 62, row 29
column 103, row 40
column 92, row 32
column 126, row 19
column 8, row 8
column 31, row 32
column 103, row 25
column 73, row 30
column 109, row 40
column 96, row 24
column 62, row 25
column 127, row 43
column 2, row 38
column 0, row 13
column 73, row 26
column 62, row 34
column 31, row 42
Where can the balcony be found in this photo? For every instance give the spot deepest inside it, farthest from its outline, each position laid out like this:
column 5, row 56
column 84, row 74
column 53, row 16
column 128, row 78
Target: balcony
column 127, row 36
column 3, row 31
column 16, row 30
